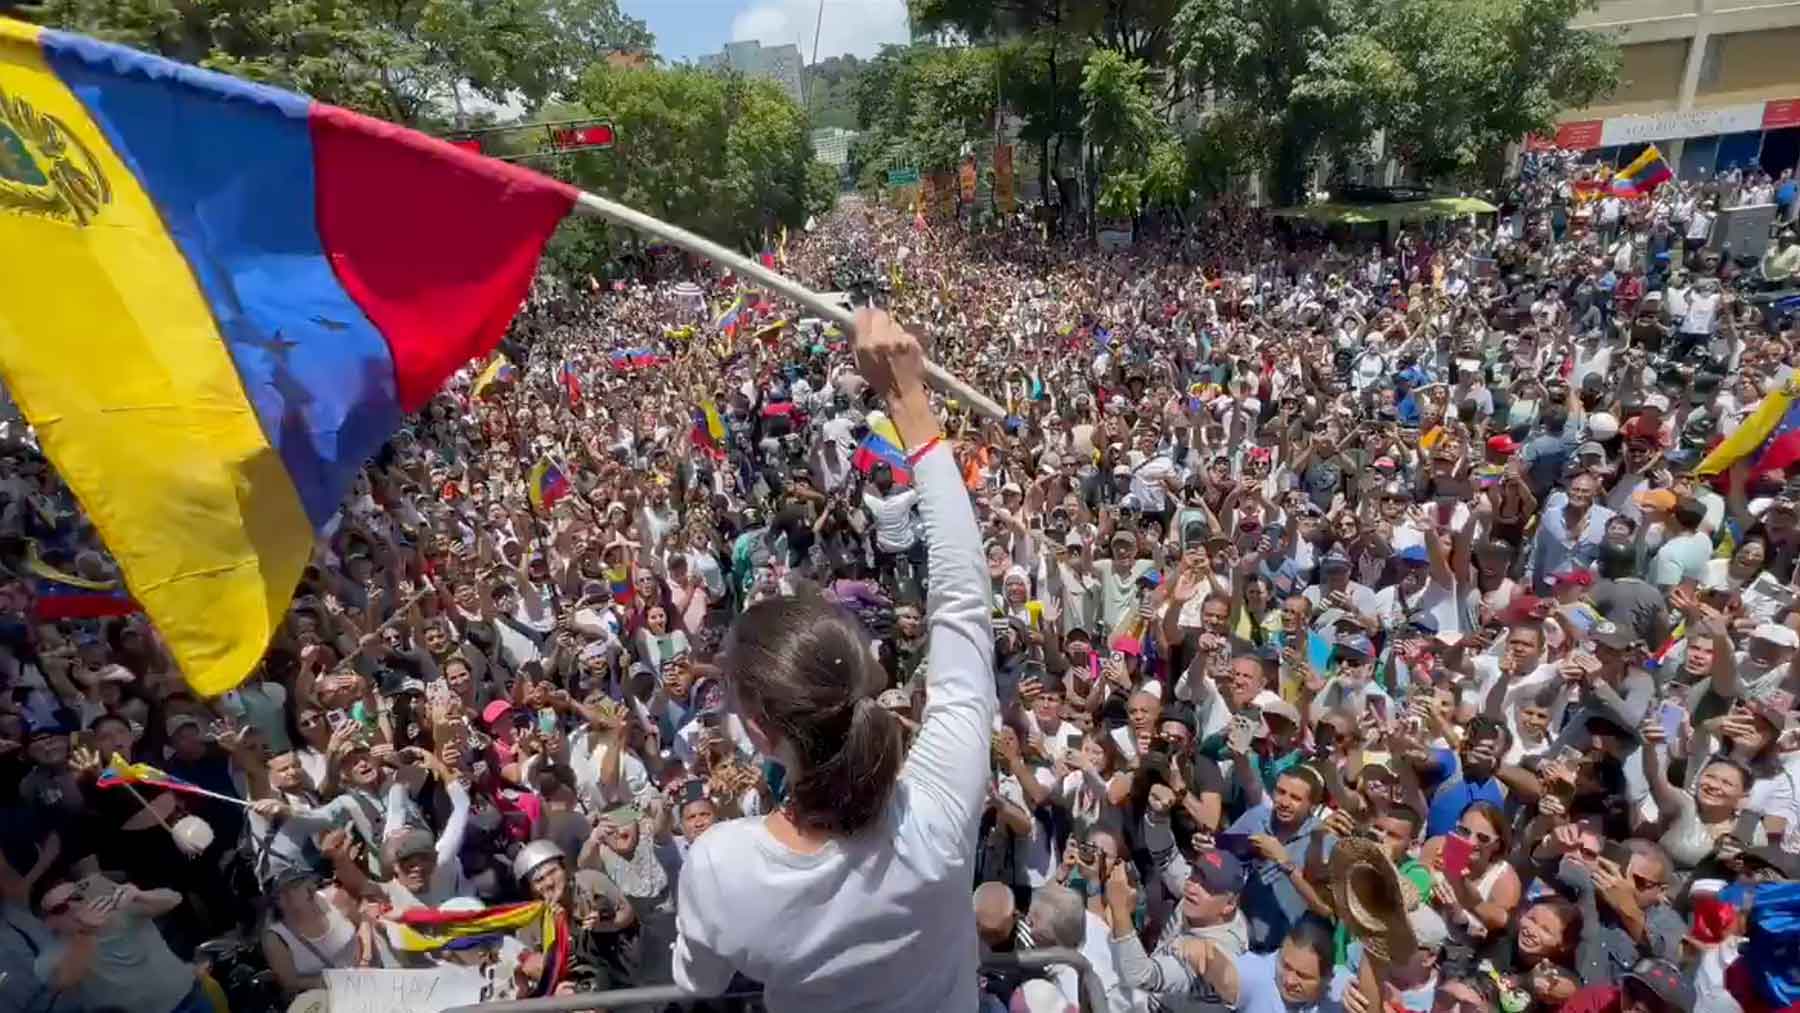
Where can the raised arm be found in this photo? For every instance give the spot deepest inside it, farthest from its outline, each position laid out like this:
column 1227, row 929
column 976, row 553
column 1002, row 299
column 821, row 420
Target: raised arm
column 947, row 768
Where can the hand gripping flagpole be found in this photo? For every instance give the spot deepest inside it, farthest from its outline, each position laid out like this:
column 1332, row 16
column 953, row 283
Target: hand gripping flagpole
column 599, row 207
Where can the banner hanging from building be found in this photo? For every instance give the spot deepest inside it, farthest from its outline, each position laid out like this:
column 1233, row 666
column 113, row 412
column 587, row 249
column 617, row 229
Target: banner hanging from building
column 1003, row 179
column 941, row 199
column 966, row 176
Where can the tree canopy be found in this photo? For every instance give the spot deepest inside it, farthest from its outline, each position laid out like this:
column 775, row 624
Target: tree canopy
column 410, row 61
column 1285, row 84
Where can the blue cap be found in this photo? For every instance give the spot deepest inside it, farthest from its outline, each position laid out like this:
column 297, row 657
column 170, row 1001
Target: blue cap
column 1220, row 872
column 1357, row 644
column 1414, row 554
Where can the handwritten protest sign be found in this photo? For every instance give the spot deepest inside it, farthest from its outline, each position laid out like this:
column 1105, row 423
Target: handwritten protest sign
column 385, row 991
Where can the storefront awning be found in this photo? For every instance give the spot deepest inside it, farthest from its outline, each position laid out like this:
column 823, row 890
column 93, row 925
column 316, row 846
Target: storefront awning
column 1403, row 211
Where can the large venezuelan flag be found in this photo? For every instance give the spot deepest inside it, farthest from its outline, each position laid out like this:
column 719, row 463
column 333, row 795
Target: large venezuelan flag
column 220, row 299
column 1769, row 438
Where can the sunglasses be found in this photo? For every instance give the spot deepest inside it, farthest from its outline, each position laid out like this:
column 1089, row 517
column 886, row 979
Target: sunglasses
column 1479, row 837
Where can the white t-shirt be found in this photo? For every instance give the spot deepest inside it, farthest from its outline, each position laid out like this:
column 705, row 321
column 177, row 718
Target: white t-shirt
column 894, row 527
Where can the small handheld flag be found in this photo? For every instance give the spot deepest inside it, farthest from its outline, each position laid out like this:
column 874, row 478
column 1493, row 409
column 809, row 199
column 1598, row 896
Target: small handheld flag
column 62, row 595
column 548, row 484
column 728, row 320
column 423, row 929
column 875, row 450
column 709, row 430
column 571, row 382
column 122, row 773
column 499, row 373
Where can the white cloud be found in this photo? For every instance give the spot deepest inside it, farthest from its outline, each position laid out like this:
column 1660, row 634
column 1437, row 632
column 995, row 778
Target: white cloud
column 861, row 27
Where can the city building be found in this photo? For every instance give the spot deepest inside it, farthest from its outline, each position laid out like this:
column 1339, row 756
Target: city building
column 831, row 145
column 1714, row 84
column 752, row 59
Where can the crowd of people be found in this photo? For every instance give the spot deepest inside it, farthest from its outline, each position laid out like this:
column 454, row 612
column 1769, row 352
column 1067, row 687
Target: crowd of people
column 1293, row 550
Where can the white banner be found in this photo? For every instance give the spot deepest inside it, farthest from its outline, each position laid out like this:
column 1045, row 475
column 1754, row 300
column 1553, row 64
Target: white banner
column 386, row 991
column 1689, row 123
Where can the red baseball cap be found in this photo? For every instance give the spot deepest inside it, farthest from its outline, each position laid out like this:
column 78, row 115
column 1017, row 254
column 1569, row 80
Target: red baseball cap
column 1503, row 444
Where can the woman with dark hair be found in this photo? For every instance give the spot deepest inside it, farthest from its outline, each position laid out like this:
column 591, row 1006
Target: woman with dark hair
column 855, row 893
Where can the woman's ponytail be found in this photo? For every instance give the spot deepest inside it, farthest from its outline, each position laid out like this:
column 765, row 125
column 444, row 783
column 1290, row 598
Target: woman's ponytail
column 801, row 669
column 845, row 789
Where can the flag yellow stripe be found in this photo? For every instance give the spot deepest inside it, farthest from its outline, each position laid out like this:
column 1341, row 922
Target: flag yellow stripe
column 1749, row 435
column 109, row 347
column 1640, row 163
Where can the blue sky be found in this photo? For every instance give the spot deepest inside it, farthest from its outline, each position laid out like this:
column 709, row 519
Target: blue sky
column 685, row 29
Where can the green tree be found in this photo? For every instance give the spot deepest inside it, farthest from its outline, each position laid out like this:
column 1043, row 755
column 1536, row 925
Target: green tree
column 721, row 155
column 923, row 107
column 1451, row 80
column 1122, row 130
column 412, row 61
column 831, row 91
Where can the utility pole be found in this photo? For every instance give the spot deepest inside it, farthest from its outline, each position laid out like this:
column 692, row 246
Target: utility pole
column 806, row 79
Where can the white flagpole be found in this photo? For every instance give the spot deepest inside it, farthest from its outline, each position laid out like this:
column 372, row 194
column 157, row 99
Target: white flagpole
column 600, row 207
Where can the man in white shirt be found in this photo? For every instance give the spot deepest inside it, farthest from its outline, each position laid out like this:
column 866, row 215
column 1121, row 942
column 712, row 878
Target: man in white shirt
column 1699, row 227
column 896, row 533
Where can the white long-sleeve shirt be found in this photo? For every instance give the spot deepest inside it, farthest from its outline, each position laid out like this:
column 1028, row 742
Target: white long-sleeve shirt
column 879, row 921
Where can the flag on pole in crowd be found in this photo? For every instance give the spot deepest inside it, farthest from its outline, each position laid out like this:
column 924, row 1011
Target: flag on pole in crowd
column 557, row 941
column 424, row 929
column 619, row 577
column 1644, row 174
column 781, row 247
column 709, row 430
column 548, row 484
column 62, row 595
column 272, row 283
column 766, row 258
column 1769, row 439
column 625, row 360
column 728, row 320
column 120, row 772
column 571, row 382
column 873, row 450
column 500, row 372
column 882, row 426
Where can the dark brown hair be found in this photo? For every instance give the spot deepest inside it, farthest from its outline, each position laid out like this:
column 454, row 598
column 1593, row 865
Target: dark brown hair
column 801, row 669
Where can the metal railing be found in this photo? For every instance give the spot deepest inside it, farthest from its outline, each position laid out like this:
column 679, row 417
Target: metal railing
column 1093, row 993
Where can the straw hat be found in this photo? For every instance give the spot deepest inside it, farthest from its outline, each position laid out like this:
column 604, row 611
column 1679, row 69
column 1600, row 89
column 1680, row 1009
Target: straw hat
column 1365, row 887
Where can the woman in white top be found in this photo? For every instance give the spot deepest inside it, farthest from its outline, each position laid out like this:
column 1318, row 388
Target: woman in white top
column 312, row 932
column 855, row 894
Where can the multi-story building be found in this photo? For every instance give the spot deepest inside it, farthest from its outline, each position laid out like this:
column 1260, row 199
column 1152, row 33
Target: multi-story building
column 831, row 145
column 780, row 64
column 1715, row 84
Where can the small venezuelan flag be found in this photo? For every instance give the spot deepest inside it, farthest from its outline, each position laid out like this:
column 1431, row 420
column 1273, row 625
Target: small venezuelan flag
column 272, row 284
column 548, row 484
column 61, row 595
column 571, row 382
column 1644, row 174
column 557, row 947
column 875, row 450
column 423, row 929
column 728, row 320
column 620, row 579
column 499, row 373
column 709, row 430
column 120, row 772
